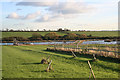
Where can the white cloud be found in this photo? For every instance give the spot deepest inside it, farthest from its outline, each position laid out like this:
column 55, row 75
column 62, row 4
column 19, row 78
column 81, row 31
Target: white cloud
column 37, row 3
column 13, row 15
column 56, row 10
column 44, row 18
column 71, row 8
column 66, row 9
column 32, row 15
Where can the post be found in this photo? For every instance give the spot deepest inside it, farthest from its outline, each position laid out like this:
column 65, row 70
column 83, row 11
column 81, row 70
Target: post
column 48, row 68
column 91, row 70
column 48, row 57
column 73, row 54
column 94, row 56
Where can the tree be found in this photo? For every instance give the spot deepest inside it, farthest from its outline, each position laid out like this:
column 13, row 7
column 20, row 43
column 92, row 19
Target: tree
column 37, row 30
column 11, row 30
column 51, row 36
column 60, row 29
column 7, row 29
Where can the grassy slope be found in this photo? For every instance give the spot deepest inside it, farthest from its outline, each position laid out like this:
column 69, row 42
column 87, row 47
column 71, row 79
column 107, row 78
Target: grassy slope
column 98, row 33
column 29, row 34
column 25, row 34
column 22, row 62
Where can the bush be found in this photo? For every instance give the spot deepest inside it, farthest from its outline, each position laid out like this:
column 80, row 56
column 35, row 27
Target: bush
column 51, row 36
column 81, row 36
column 12, row 38
column 70, row 36
column 89, row 35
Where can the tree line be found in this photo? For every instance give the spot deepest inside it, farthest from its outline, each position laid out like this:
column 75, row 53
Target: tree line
column 26, row 30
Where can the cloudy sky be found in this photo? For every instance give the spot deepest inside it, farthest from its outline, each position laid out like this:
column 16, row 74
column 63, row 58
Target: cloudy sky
column 54, row 14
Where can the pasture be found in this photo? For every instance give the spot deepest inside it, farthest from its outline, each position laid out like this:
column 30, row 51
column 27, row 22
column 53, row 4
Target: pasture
column 24, row 62
column 25, row 34
column 93, row 33
column 98, row 33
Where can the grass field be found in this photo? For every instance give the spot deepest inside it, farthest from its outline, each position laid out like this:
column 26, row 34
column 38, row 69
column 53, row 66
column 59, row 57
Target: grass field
column 23, row 62
column 93, row 33
column 99, row 33
column 25, row 34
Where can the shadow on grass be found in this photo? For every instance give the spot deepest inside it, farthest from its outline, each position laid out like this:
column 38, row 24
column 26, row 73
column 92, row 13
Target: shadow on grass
column 107, row 59
column 106, row 67
column 102, row 58
column 30, row 63
column 41, row 71
column 26, row 50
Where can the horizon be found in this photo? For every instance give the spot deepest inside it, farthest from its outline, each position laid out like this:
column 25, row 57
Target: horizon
column 85, row 15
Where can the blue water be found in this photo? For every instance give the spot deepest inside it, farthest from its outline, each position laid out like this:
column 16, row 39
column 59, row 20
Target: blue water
column 100, row 42
column 38, row 43
column 86, row 42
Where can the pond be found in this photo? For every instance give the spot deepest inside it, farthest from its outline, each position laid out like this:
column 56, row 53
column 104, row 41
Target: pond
column 86, row 42
column 101, row 42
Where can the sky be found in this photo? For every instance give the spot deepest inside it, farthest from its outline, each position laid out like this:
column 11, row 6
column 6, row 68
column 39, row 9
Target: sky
column 55, row 14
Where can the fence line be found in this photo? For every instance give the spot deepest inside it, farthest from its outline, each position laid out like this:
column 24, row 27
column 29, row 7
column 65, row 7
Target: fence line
column 106, row 50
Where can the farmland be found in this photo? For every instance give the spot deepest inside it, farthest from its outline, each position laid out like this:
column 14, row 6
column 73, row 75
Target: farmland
column 93, row 33
column 24, row 62
column 99, row 33
column 25, row 34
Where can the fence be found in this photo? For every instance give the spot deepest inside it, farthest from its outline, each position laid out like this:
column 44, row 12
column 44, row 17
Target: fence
column 100, row 50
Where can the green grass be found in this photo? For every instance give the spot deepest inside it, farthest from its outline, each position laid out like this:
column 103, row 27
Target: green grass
column 26, row 34
column 93, row 33
column 98, row 33
column 23, row 62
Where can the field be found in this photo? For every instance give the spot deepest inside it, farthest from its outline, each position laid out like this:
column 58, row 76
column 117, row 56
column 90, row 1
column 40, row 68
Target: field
column 25, row 34
column 93, row 33
column 24, row 62
column 99, row 33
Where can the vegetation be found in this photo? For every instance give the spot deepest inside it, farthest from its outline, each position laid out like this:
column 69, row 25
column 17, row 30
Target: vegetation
column 26, row 34
column 93, row 33
column 98, row 33
column 51, row 36
column 24, row 62
column 60, row 35
column 70, row 36
column 36, row 36
column 12, row 38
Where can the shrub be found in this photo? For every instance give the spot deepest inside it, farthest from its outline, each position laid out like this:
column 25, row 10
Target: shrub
column 89, row 35
column 12, row 38
column 81, row 36
column 70, row 36
column 51, row 36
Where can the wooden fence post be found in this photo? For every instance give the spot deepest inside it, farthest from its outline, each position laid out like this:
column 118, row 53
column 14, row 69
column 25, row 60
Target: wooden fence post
column 94, row 56
column 48, row 68
column 91, row 70
column 73, row 54
column 48, row 57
